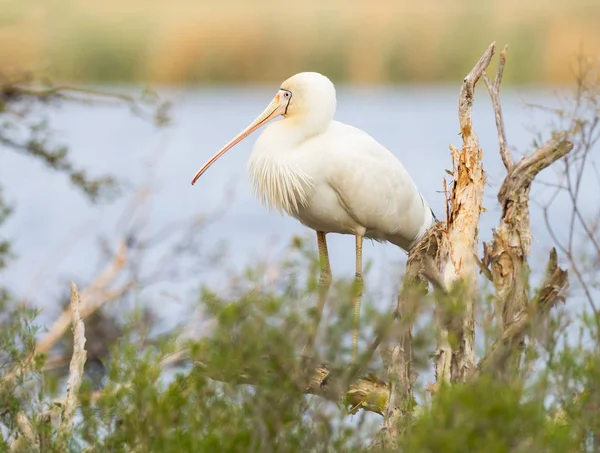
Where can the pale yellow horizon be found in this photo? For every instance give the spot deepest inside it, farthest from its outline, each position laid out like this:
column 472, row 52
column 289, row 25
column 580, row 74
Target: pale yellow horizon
column 356, row 41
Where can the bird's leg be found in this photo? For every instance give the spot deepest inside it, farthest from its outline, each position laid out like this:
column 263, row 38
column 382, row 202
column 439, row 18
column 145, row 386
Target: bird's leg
column 324, row 284
column 357, row 291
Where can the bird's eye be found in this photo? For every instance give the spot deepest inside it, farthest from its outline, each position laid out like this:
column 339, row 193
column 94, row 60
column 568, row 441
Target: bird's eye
column 286, row 94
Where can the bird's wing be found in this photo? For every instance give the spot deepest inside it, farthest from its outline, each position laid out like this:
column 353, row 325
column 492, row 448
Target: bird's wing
column 372, row 183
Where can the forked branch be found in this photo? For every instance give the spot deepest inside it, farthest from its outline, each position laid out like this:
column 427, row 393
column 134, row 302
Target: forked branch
column 506, row 255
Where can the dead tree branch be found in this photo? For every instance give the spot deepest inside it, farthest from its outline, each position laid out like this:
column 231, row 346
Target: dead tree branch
column 70, row 401
column 367, row 392
column 506, row 255
column 494, row 90
column 459, row 243
column 551, row 291
column 75, row 369
column 396, row 351
column 93, row 297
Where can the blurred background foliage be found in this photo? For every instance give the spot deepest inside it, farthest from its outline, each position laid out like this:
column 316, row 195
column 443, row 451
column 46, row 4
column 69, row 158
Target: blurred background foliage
column 135, row 403
column 383, row 41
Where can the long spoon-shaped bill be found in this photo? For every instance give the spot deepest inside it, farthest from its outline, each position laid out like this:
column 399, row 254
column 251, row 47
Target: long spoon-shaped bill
column 273, row 110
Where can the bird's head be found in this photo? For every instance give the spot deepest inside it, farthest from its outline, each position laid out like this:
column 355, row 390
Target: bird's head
column 311, row 94
column 306, row 98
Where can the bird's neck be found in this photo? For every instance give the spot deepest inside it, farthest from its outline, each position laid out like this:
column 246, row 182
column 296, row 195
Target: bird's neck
column 289, row 134
column 304, row 127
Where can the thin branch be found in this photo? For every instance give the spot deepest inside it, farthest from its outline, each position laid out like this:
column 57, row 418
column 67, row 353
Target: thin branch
column 467, row 91
column 574, row 189
column 93, row 297
column 89, row 96
column 75, row 369
column 62, row 89
column 483, row 267
column 494, row 90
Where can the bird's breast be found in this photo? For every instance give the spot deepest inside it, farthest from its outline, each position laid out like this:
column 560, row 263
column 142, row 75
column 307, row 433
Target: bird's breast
column 280, row 182
column 287, row 181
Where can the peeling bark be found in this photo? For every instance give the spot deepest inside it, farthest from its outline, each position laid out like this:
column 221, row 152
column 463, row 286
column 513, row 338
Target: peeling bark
column 455, row 355
column 506, row 255
column 551, row 291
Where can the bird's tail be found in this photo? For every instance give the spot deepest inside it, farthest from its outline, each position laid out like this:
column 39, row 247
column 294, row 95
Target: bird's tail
column 428, row 222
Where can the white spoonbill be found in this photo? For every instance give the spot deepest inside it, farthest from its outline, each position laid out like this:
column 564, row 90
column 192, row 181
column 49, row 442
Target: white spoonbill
column 332, row 177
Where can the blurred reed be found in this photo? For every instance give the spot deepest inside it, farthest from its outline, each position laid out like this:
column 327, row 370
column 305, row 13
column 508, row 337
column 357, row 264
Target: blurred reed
column 377, row 41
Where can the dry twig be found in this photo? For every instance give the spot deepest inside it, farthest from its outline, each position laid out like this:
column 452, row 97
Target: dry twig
column 494, row 89
column 93, row 297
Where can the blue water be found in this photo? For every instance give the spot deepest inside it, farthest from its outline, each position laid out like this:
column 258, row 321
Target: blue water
column 57, row 233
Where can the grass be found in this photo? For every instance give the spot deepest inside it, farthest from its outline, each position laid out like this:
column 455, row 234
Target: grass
column 382, row 41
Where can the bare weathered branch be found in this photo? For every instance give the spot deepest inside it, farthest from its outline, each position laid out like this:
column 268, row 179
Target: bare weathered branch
column 75, row 369
column 505, row 256
column 508, row 252
column 467, row 90
column 459, row 244
column 93, row 297
column 432, row 275
column 527, row 169
column 368, row 392
column 551, row 291
column 494, row 90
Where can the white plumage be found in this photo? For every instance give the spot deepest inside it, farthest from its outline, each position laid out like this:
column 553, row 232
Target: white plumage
column 332, row 177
